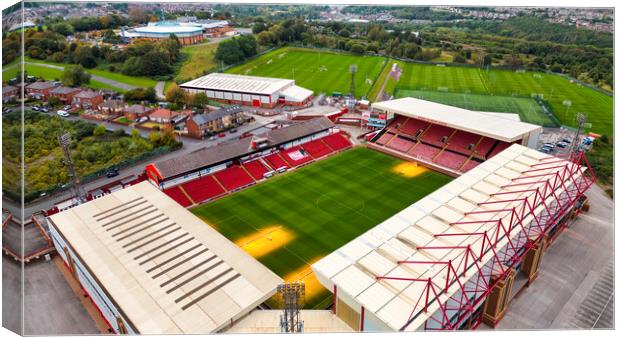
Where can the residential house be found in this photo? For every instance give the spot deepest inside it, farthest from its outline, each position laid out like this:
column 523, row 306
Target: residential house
column 200, row 125
column 88, row 99
column 163, row 116
column 9, row 93
column 40, row 90
column 64, row 94
column 136, row 111
column 112, row 107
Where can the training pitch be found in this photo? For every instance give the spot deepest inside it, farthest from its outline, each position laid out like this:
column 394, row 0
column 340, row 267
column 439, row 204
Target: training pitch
column 319, row 71
column 565, row 96
column 296, row 218
column 528, row 109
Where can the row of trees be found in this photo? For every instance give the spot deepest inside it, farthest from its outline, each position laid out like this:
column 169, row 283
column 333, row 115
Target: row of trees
column 237, row 49
column 181, row 98
column 142, row 58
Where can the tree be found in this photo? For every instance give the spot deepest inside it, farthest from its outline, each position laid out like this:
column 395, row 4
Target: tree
column 229, row 52
column 99, row 130
column 175, row 94
column 75, row 76
column 200, row 100
column 62, row 28
column 83, row 55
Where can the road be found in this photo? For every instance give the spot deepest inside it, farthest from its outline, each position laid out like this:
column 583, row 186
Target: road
column 189, row 145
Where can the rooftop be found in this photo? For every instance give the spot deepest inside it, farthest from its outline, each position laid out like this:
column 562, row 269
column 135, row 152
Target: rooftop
column 41, row 85
column 234, row 149
column 481, row 123
column 451, row 212
column 128, row 240
column 87, row 94
column 64, row 90
column 239, row 83
column 167, row 29
column 204, row 118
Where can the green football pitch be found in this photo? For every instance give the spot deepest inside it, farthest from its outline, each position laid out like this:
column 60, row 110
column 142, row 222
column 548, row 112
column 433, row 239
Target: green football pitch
column 319, row 71
column 565, row 97
column 296, row 218
column 527, row 108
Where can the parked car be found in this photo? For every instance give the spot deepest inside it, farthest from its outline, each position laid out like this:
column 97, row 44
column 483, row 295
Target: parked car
column 142, row 119
column 67, row 107
column 62, row 113
column 113, row 172
column 212, row 138
column 544, row 150
column 562, row 145
column 7, row 110
column 221, row 135
column 233, row 130
column 44, row 110
column 35, row 108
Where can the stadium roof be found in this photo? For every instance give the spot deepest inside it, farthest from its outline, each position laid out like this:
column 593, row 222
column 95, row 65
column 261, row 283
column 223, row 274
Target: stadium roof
column 239, row 83
column 296, row 93
column 165, row 269
column 238, row 148
column 354, row 268
column 167, row 29
column 477, row 122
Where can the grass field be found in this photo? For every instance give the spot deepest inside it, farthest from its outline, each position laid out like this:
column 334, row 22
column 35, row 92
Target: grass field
column 48, row 74
column 295, row 219
column 556, row 90
column 199, row 59
column 527, row 108
column 319, row 71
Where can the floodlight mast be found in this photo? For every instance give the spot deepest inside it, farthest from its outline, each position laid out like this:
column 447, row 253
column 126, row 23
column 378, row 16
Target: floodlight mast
column 574, row 146
column 352, row 70
column 292, row 296
column 65, row 141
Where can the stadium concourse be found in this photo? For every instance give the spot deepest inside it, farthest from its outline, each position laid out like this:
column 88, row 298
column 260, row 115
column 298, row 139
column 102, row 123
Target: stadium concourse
column 213, row 172
column 445, row 138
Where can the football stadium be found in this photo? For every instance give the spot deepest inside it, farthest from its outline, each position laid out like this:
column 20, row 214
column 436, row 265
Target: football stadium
column 434, row 223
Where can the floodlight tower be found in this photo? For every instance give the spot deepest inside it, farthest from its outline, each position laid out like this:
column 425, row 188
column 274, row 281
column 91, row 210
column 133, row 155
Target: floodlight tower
column 352, row 70
column 292, row 296
column 574, row 146
column 65, row 141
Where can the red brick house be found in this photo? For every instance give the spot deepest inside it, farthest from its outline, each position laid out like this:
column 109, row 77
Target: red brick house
column 64, row 94
column 9, row 93
column 162, row 116
column 40, row 90
column 88, row 99
column 200, row 125
column 112, row 107
column 136, row 111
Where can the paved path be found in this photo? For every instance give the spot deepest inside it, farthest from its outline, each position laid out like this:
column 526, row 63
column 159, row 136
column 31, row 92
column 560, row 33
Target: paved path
column 159, row 89
column 117, row 84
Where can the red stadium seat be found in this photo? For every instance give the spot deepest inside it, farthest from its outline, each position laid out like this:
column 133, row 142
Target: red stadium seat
column 296, row 151
column 424, row 151
column 337, row 141
column 178, row 196
column 275, row 161
column 412, row 126
column 435, row 133
column 317, row 148
column 400, row 144
column 461, row 140
column 385, row 138
column 469, row 165
column 256, row 168
column 234, row 178
column 203, row 188
column 484, row 147
column 501, row 146
column 450, row 160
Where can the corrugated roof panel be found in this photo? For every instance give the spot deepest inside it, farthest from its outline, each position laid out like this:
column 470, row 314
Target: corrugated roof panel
column 353, row 281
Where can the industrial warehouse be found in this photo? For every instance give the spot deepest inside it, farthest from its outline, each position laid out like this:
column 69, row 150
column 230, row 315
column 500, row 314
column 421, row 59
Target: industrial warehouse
column 255, row 91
